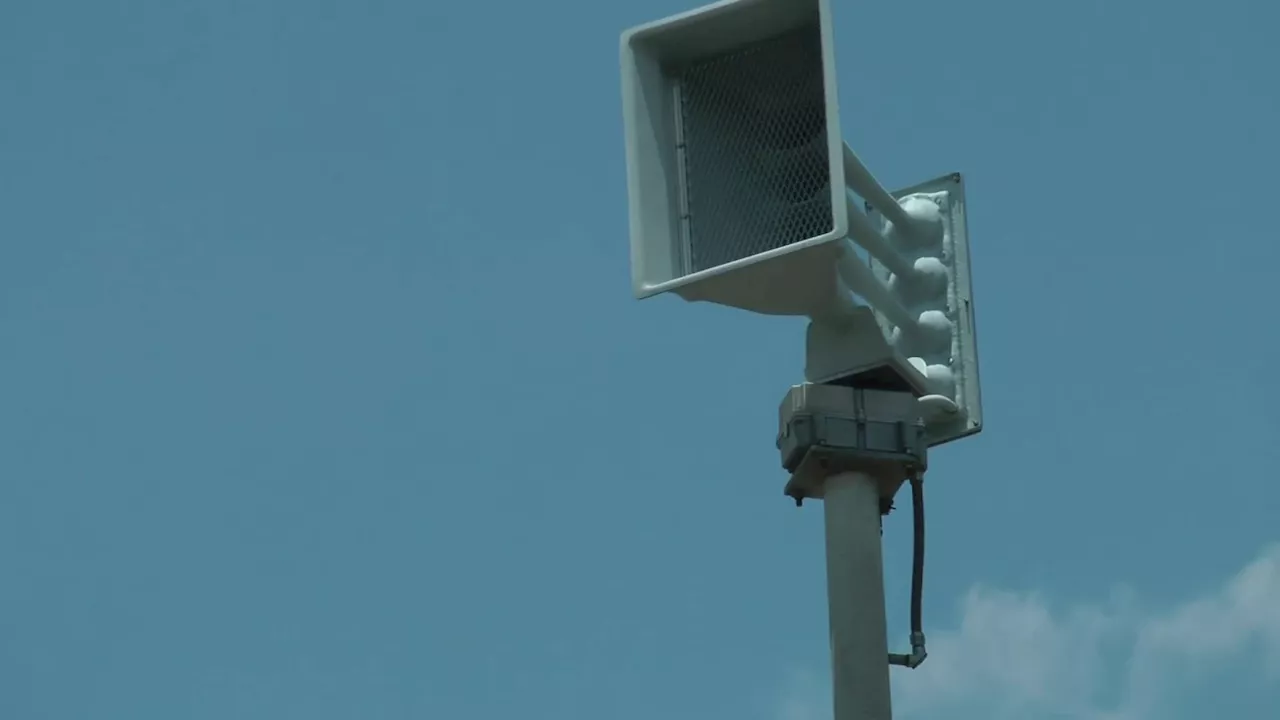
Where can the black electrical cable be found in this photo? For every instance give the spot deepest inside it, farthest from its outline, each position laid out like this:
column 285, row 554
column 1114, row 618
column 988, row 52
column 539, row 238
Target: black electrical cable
column 917, row 552
column 918, row 653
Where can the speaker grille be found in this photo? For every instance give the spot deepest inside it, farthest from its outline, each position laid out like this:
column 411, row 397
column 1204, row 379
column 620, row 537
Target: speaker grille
column 755, row 161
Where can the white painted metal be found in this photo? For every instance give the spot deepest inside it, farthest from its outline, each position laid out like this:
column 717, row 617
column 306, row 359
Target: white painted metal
column 855, row 598
column 866, row 235
column 859, row 278
column 865, row 184
column 797, row 278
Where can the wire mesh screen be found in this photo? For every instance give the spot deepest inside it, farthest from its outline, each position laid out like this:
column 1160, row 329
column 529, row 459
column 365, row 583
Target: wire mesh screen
column 755, row 161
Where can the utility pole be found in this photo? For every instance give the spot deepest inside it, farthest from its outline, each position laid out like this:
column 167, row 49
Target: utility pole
column 855, row 597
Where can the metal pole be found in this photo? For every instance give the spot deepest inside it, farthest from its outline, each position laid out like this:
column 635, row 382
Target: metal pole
column 855, row 598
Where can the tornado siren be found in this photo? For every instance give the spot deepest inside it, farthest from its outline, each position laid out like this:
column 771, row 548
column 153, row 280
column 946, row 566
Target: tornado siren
column 744, row 193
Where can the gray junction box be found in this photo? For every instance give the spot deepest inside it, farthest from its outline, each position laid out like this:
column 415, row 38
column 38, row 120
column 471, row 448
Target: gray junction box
column 828, row 429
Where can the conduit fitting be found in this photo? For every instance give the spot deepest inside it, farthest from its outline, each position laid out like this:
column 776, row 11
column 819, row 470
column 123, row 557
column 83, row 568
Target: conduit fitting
column 917, row 656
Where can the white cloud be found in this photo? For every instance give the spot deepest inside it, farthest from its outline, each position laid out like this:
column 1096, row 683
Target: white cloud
column 1013, row 656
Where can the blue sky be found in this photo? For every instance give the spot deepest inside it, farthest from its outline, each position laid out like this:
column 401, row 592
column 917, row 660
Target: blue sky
column 324, row 395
